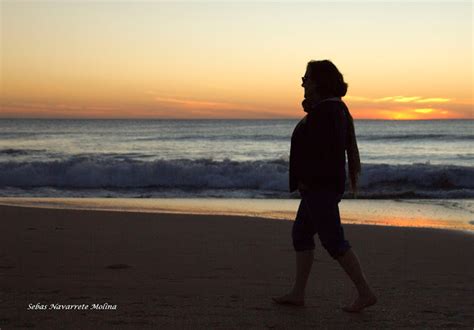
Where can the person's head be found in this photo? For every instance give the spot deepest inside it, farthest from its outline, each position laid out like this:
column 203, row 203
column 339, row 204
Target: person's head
column 323, row 80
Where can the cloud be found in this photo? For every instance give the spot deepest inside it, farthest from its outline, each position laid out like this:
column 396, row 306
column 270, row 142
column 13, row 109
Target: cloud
column 427, row 110
column 399, row 99
column 433, row 100
column 405, row 99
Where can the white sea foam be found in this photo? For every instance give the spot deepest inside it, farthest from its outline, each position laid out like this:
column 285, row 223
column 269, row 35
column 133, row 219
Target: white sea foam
column 192, row 177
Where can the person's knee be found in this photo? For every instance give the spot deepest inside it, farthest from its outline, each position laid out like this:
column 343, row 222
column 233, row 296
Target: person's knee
column 303, row 247
column 302, row 242
column 336, row 249
column 302, row 238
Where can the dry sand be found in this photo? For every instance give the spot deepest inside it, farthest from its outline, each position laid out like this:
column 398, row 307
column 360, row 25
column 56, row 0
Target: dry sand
column 197, row 271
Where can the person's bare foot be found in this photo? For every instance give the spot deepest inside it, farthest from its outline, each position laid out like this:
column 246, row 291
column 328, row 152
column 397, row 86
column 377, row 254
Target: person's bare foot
column 360, row 303
column 289, row 299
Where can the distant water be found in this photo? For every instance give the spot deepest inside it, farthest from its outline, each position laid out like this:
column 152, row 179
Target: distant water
column 222, row 158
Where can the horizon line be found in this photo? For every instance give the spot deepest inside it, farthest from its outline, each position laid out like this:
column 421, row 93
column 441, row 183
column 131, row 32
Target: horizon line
column 167, row 118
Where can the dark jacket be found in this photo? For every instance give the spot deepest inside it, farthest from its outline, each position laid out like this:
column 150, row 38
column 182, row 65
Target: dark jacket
column 317, row 154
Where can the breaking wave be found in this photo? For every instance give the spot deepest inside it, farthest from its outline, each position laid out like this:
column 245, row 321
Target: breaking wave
column 252, row 178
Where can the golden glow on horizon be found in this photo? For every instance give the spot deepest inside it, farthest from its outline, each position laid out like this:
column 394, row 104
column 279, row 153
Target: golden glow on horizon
column 407, row 108
column 191, row 60
column 168, row 107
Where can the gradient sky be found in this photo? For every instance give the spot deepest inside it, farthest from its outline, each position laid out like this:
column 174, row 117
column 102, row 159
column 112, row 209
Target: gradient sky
column 87, row 59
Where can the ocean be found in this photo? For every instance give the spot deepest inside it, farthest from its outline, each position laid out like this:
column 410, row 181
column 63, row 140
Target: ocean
column 150, row 158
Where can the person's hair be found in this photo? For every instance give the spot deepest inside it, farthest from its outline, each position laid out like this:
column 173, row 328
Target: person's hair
column 329, row 81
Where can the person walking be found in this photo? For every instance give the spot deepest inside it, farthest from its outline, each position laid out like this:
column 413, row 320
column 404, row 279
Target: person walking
column 317, row 170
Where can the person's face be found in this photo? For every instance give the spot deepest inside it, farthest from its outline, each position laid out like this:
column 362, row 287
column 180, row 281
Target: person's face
column 310, row 91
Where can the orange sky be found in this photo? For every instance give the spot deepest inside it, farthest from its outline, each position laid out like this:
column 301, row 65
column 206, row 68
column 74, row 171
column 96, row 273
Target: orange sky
column 402, row 60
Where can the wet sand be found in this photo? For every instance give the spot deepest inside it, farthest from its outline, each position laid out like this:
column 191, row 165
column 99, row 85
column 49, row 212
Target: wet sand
column 201, row 271
column 454, row 214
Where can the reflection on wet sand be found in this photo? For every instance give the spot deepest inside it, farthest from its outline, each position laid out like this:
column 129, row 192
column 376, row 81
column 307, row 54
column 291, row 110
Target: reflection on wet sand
column 399, row 213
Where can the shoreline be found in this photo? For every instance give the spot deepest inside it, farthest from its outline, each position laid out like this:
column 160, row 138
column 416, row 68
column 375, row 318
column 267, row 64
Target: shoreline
column 225, row 216
column 441, row 214
column 201, row 271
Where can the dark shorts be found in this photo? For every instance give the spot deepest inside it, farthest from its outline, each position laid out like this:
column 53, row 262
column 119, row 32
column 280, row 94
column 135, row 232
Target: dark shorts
column 319, row 213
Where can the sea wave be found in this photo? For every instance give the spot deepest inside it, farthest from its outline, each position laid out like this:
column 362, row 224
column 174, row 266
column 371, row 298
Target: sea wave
column 241, row 136
column 192, row 177
column 19, row 152
column 286, row 137
column 210, row 137
column 416, row 137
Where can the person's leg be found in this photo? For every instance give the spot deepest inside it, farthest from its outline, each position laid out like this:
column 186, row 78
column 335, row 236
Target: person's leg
column 304, row 262
column 331, row 234
column 303, row 243
column 350, row 263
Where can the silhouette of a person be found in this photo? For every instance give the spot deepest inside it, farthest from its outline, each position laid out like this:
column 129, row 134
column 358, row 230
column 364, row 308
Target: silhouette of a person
column 317, row 170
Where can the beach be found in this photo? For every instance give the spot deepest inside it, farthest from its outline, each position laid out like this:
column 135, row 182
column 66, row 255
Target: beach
column 116, row 269
column 144, row 188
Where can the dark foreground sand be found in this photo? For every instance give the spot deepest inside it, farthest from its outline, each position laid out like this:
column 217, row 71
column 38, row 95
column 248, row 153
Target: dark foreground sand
column 207, row 272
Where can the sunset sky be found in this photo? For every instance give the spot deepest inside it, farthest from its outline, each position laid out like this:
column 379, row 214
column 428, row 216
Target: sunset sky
column 156, row 59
